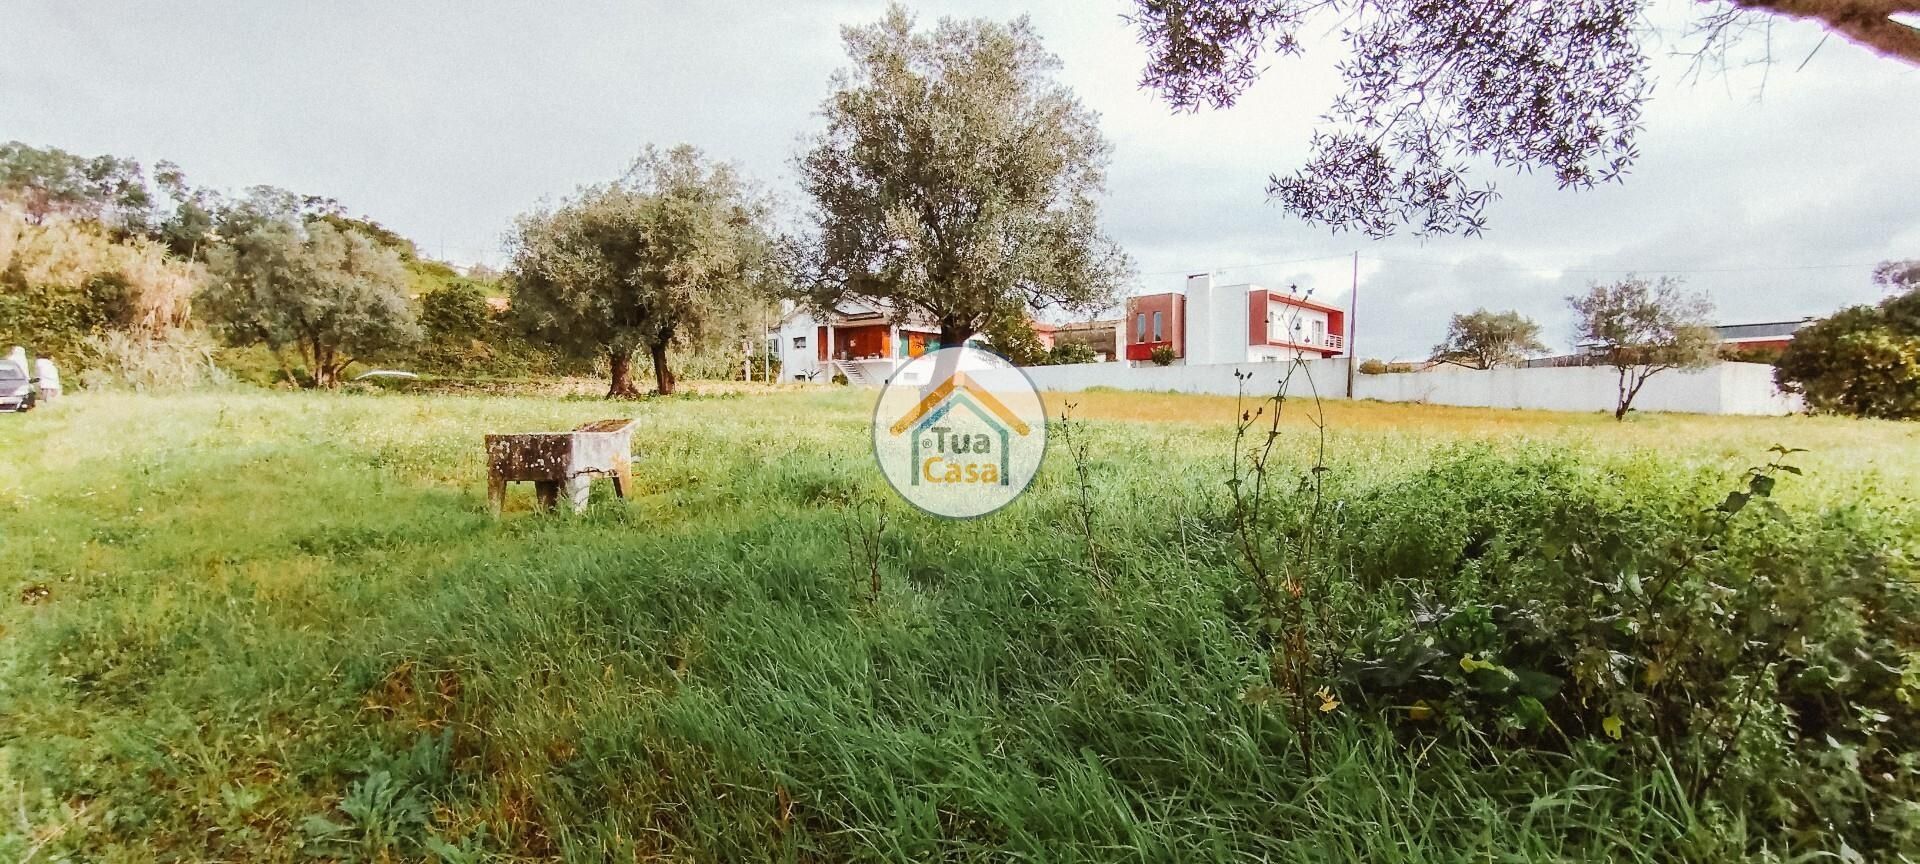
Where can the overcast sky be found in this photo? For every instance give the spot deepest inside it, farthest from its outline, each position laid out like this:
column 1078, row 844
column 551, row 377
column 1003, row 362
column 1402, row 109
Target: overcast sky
column 445, row 119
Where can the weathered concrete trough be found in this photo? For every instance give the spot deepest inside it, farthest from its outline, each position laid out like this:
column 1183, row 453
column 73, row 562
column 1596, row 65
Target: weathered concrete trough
column 552, row 460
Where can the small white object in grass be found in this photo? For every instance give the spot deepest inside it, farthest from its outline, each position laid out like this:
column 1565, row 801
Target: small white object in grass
column 383, row 373
column 49, row 376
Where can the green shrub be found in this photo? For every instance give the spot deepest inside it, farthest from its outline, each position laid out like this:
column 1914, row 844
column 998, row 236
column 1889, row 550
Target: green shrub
column 1757, row 654
column 1066, row 353
column 1162, row 355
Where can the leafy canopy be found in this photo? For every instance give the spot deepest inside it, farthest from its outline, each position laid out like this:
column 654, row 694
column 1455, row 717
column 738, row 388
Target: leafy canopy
column 1642, row 328
column 335, row 295
column 1863, row 360
column 46, row 181
column 956, row 179
column 1483, row 340
column 641, row 262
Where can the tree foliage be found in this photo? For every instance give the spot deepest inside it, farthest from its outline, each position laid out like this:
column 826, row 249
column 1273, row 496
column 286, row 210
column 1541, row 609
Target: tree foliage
column 50, row 181
column 1862, row 360
column 640, row 263
column 334, row 295
column 1553, row 86
column 64, row 281
column 1642, row 328
column 1012, row 336
column 956, row 179
column 1483, row 340
column 1068, row 353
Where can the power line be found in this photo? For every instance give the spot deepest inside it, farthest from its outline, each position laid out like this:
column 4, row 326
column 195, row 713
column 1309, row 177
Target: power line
column 1503, row 269
column 1217, row 269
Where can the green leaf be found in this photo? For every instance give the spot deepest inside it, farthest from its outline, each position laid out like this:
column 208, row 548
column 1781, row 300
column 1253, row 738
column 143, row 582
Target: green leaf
column 1536, row 685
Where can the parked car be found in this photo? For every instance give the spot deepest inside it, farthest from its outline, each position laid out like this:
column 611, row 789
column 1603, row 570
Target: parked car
column 16, row 389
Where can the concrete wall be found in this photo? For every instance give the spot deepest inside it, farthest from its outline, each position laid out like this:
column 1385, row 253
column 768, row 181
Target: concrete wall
column 1214, row 378
column 1725, row 388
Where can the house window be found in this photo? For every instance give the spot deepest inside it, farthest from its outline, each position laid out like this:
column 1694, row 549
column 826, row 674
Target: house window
column 1319, row 331
column 799, row 343
column 1140, row 327
column 1156, row 326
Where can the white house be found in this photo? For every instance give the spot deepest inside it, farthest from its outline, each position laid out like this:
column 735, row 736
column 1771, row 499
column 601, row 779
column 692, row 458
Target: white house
column 860, row 340
column 1242, row 323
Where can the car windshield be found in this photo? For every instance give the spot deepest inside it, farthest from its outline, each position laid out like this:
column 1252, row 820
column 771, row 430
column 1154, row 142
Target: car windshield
column 10, row 374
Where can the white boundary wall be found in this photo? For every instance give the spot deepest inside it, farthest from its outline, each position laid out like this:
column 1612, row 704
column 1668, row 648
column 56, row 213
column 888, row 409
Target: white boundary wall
column 1723, row 388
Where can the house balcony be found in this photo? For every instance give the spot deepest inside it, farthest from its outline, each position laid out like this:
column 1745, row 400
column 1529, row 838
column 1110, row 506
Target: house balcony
column 1144, row 350
column 1328, row 344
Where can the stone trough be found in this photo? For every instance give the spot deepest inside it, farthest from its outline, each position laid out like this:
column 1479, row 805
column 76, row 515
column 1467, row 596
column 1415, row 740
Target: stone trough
column 555, row 460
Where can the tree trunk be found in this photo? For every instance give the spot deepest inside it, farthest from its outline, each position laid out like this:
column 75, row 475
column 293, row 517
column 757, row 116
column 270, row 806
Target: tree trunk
column 620, row 370
column 1867, row 23
column 662, row 376
column 323, row 367
column 954, row 335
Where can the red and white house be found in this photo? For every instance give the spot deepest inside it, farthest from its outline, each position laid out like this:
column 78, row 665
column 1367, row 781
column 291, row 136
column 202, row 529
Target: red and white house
column 1244, row 323
column 860, row 340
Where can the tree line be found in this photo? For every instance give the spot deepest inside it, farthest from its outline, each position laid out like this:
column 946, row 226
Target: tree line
column 955, row 180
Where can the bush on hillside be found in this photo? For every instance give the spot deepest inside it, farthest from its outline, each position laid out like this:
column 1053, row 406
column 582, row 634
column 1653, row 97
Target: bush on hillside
column 179, row 359
column 63, row 282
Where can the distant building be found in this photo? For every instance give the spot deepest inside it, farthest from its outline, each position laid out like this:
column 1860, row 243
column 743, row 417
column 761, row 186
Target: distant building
column 1105, row 337
column 859, row 340
column 1242, row 323
column 1770, row 337
column 1759, row 342
column 1045, row 333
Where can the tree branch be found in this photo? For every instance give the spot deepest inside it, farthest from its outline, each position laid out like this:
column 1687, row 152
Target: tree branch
column 1867, row 23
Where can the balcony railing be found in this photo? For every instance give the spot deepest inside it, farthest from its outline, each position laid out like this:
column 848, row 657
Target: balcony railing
column 1144, row 350
column 1328, row 342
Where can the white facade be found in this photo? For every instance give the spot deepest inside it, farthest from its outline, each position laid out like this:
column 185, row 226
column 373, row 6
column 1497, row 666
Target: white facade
column 1218, row 330
column 1216, row 322
column 1296, row 324
column 793, row 341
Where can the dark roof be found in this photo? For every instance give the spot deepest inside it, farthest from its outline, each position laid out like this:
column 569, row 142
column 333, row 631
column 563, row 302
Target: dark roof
column 1769, row 330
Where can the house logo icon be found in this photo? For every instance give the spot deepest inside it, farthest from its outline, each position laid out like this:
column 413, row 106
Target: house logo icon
column 959, row 432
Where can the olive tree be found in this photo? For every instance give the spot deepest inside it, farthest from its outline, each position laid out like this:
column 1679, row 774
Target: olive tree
column 1642, row 328
column 334, row 295
column 640, row 263
column 1483, row 340
column 1541, row 86
column 956, row 180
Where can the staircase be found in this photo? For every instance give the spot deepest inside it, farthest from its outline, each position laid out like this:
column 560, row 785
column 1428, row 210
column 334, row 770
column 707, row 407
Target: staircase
column 856, row 375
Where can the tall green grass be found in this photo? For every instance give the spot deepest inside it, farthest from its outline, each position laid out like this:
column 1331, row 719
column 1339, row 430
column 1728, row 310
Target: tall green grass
column 273, row 627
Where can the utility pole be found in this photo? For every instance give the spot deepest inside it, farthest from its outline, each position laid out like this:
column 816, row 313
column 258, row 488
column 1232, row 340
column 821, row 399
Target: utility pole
column 1353, row 322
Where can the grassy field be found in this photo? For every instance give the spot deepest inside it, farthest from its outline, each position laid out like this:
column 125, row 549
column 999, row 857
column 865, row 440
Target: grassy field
column 270, row 626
